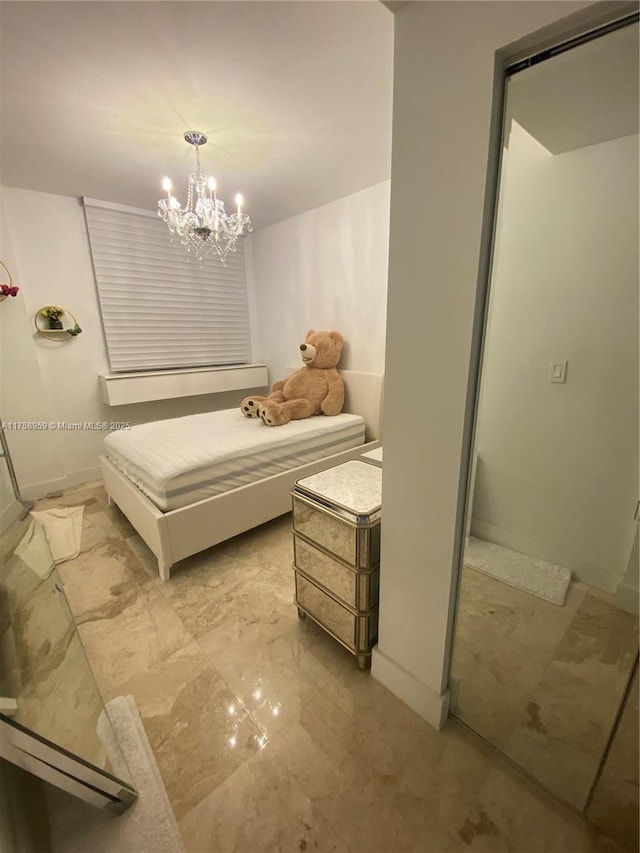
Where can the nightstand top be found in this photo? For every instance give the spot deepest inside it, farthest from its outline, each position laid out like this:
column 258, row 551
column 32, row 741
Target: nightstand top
column 354, row 486
column 374, row 457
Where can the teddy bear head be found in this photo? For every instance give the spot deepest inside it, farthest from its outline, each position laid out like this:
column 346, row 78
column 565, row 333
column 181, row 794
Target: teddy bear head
column 321, row 349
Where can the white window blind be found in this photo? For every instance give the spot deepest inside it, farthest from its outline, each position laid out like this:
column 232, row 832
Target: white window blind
column 159, row 308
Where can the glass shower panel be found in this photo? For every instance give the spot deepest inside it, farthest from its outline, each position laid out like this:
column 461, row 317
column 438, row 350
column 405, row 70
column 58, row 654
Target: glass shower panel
column 43, row 667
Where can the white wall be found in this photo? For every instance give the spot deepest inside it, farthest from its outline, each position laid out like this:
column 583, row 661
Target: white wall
column 20, row 378
column 324, row 269
column 443, row 86
column 10, row 508
column 557, row 474
column 44, row 380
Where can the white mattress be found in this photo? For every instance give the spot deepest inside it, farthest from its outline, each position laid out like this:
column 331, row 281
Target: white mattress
column 183, row 460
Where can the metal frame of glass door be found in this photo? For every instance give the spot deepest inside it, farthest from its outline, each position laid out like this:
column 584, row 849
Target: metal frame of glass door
column 5, row 454
column 55, row 765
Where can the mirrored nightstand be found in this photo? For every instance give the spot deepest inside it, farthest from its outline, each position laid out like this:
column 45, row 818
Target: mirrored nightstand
column 336, row 539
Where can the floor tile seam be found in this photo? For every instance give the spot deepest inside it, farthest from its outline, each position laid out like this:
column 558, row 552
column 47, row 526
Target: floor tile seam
column 165, row 782
column 313, row 801
column 102, row 689
column 237, row 699
column 155, row 750
column 98, row 612
column 591, row 682
column 353, row 758
column 108, row 687
column 146, row 577
column 223, row 781
column 141, row 578
column 132, row 575
column 570, row 626
column 587, row 682
column 504, row 764
column 155, row 583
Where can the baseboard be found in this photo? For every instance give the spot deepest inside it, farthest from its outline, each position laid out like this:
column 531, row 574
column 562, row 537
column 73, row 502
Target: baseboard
column 582, row 570
column 627, row 598
column 76, row 478
column 431, row 706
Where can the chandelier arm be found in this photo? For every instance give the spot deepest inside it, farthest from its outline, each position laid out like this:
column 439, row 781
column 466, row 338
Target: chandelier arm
column 203, row 226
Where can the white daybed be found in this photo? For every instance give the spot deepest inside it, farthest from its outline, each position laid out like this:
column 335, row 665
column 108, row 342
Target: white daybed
column 178, row 533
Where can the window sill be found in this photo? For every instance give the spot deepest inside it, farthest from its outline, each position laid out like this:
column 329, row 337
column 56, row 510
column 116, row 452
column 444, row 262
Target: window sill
column 122, row 389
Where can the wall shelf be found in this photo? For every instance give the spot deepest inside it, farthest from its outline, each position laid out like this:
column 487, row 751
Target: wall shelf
column 71, row 328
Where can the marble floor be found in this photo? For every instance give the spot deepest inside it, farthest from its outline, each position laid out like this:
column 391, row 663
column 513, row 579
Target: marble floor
column 267, row 735
column 541, row 682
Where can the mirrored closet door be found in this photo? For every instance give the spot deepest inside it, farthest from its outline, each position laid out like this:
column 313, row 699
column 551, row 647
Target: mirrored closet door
column 546, row 635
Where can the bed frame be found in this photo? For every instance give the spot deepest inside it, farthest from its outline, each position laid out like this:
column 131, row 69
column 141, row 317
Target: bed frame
column 181, row 532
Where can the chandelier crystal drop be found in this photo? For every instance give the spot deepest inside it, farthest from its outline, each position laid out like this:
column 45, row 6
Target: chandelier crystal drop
column 203, row 226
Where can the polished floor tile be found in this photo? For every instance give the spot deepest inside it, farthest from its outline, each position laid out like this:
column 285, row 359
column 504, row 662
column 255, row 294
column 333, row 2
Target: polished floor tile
column 267, row 735
column 259, row 808
column 542, row 683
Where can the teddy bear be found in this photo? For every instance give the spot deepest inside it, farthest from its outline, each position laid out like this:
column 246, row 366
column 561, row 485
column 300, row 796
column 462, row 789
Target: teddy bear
column 317, row 388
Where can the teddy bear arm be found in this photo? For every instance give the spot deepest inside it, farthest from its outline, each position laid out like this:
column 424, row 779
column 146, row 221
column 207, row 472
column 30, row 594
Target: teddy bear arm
column 334, row 400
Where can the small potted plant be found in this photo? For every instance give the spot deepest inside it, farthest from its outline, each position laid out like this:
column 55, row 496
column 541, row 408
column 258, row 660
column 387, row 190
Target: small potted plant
column 53, row 313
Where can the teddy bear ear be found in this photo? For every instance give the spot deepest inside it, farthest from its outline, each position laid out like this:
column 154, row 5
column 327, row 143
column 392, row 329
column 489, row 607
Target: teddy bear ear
column 310, row 332
column 337, row 337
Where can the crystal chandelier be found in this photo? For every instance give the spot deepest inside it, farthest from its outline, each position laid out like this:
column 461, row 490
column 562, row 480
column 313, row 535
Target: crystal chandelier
column 202, row 225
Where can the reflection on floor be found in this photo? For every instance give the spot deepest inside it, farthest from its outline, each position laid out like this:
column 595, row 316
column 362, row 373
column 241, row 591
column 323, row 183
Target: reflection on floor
column 42, row 662
column 266, row 734
column 541, row 682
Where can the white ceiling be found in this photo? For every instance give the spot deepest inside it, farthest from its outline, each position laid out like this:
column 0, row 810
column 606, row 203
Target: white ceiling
column 581, row 97
column 295, row 98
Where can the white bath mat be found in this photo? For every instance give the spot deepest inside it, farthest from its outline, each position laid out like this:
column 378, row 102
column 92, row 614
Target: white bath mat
column 546, row 580
column 148, row 826
column 63, row 528
column 33, row 549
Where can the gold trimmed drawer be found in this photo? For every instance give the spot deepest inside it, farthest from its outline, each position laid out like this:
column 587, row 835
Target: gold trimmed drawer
column 330, row 532
column 356, row 544
column 357, row 588
column 357, row 631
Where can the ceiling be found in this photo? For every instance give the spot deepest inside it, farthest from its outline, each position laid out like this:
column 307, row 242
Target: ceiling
column 295, row 98
column 583, row 96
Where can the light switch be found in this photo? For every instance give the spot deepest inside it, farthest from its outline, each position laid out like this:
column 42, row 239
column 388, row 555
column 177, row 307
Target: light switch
column 558, row 371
